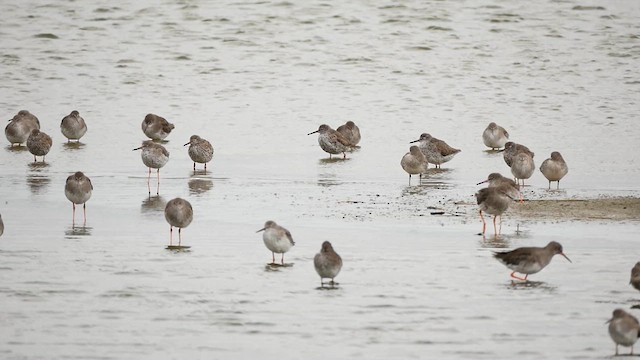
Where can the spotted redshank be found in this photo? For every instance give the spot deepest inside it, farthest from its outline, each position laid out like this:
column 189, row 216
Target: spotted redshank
column 350, row 131
column 178, row 213
column 20, row 126
column 73, row 126
column 554, row 168
column 435, row 150
column 495, row 136
column 494, row 201
column 529, row 260
column 78, row 190
column 156, row 127
column 327, row 263
column 39, row 144
column 200, row 151
column 154, row 156
column 277, row 239
column 635, row 276
column 332, row 141
column 512, row 149
column 624, row 329
column 414, row 162
column 522, row 167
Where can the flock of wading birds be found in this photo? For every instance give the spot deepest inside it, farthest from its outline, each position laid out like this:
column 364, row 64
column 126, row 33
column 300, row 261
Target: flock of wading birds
column 494, row 199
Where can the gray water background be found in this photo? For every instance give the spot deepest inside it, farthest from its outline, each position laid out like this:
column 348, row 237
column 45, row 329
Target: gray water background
column 254, row 78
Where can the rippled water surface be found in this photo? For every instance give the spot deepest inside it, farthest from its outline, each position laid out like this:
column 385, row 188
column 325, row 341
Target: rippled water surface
column 254, row 78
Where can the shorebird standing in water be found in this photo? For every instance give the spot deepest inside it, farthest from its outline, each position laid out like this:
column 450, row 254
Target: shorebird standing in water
column 495, row 136
column 624, row 329
column 327, row 263
column 200, row 151
column 20, row 126
column 554, row 168
column 529, row 260
column 522, row 167
column 156, row 127
column 153, row 156
column 512, row 149
column 277, row 239
column 414, row 162
column 332, row 141
column 494, row 201
column 635, row 276
column 435, row 150
column 39, row 144
column 73, row 126
column 350, row 131
column 178, row 213
column 78, row 190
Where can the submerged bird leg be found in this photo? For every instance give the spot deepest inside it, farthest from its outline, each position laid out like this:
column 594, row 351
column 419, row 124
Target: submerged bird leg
column 495, row 231
column 73, row 222
column 84, row 212
column 558, row 188
column 179, row 236
column 158, row 189
column 344, row 155
column 170, row 235
column 282, row 259
column 409, row 179
column 194, row 166
column 513, row 275
column 273, row 257
column 205, row 167
column 484, row 224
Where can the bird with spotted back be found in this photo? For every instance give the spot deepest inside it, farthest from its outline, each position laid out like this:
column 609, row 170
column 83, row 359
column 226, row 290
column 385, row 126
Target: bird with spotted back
column 200, row 151
column 529, row 260
column 624, row 329
column 39, row 144
column 78, row 190
column 154, row 156
column 73, row 126
column 277, row 239
column 156, row 127
column 554, row 168
column 20, row 127
column 327, row 263
column 178, row 213
column 332, row 141
column 435, row 150
column 350, row 131
column 495, row 136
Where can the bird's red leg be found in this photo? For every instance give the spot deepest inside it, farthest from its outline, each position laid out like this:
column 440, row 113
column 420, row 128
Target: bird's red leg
column 73, row 222
column 148, row 180
column 84, row 212
column 513, row 275
column 495, row 231
column 484, row 225
column 158, row 190
column 282, row 259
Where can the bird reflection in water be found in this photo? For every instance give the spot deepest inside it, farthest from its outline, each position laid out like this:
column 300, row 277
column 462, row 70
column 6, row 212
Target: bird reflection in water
column 75, row 232
column 153, row 204
column 73, row 145
column 199, row 186
column 37, row 178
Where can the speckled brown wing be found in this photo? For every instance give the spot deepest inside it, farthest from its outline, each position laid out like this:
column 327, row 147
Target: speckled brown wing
column 342, row 139
column 443, row 148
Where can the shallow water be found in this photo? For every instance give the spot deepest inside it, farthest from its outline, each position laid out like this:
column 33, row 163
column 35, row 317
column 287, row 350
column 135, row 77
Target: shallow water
column 254, row 79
